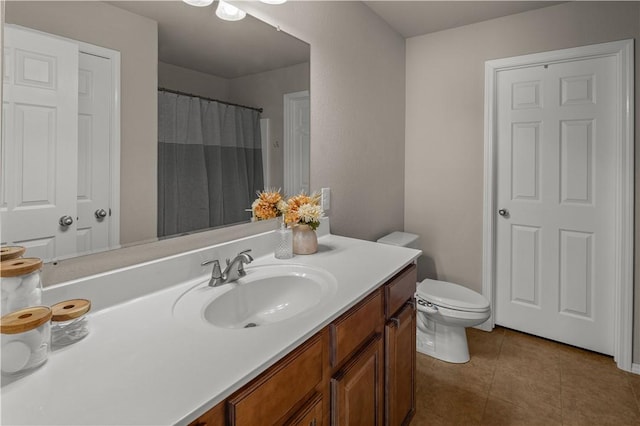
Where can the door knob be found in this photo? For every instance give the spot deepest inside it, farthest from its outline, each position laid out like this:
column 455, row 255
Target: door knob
column 66, row 221
column 100, row 214
column 503, row 212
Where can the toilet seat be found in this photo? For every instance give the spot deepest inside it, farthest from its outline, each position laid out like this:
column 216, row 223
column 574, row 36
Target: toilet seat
column 451, row 296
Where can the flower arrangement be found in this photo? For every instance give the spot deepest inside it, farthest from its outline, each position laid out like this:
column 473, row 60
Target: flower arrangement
column 300, row 209
column 304, row 209
column 269, row 204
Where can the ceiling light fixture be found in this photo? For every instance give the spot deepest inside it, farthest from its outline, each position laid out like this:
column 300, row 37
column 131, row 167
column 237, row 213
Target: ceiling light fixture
column 273, row 1
column 229, row 12
column 199, row 3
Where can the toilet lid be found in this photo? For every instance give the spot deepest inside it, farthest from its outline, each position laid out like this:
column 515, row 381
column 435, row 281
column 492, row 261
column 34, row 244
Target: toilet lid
column 453, row 296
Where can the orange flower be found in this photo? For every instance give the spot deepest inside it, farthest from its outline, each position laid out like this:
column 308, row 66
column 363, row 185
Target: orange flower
column 293, row 205
column 266, row 205
column 270, row 197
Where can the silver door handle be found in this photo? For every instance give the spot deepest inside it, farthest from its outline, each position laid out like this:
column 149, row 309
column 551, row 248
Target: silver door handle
column 503, row 212
column 66, row 221
column 100, row 214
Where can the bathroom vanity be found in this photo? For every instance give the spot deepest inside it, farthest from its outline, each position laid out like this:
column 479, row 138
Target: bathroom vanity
column 150, row 360
column 359, row 369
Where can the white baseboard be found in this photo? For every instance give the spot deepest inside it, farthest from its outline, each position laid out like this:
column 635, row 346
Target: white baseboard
column 635, row 368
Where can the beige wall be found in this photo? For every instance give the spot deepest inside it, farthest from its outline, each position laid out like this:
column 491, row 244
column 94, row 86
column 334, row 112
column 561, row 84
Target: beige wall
column 136, row 38
column 357, row 110
column 190, row 81
column 445, row 123
column 266, row 90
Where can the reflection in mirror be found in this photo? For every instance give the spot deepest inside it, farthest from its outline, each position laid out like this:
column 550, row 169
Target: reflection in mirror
column 128, row 121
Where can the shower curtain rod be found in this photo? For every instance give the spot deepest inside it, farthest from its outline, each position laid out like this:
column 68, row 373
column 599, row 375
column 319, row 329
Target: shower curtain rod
column 177, row 92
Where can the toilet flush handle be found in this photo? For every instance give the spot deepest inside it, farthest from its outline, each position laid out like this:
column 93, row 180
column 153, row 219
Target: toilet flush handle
column 427, row 307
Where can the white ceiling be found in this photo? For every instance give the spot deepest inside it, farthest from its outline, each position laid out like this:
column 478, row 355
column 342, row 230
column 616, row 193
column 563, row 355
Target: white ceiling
column 412, row 18
column 195, row 38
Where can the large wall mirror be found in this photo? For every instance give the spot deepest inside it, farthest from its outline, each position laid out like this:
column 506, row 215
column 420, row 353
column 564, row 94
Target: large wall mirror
column 126, row 122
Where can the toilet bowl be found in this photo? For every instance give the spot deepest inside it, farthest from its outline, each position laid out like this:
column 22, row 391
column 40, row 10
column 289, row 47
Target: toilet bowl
column 444, row 311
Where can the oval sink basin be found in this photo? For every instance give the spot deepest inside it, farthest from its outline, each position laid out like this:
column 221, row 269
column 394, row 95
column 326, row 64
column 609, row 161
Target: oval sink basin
column 268, row 294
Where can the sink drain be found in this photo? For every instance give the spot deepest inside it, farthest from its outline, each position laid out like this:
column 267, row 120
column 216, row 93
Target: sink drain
column 251, row 324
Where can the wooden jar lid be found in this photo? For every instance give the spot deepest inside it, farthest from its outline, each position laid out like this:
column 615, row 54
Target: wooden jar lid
column 11, row 252
column 70, row 309
column 25, row 319
column 21, row 266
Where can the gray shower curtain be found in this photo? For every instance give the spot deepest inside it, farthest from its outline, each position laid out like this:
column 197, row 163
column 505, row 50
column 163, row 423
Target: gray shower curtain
column 209, row 163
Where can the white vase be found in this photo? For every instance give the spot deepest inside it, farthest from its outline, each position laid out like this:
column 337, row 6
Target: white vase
column 305, row 240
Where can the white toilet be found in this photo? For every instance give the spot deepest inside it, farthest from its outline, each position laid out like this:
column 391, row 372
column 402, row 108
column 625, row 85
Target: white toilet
column 444, row 311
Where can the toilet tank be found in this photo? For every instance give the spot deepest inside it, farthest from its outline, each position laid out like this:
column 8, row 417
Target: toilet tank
column 403, row 239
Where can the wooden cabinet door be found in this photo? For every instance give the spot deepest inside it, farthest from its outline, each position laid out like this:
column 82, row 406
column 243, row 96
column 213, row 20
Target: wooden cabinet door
column 357, row 388
column 309, row 415
column 400, row 348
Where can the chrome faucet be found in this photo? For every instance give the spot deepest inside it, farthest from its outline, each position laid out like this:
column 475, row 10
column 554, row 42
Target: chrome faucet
column 233, row 271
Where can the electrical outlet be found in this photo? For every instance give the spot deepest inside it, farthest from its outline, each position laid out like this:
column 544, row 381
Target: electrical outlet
column 326, row 199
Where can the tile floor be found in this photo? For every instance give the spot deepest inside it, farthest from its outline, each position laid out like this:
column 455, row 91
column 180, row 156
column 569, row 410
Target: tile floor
column 517, row 379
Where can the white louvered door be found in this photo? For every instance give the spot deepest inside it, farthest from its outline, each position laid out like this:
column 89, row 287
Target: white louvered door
column 556, row 187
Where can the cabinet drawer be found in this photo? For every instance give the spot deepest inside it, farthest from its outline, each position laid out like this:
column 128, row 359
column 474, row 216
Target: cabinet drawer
column 271, row 396
column 213, row 417
column 309, row 415
column 353, row 328
column 401, row 288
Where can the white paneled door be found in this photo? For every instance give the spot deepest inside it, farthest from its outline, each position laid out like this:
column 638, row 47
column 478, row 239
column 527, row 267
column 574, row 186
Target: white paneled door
column 556, row 185
column 39, row 143
column 296, row 143
column 94, row 126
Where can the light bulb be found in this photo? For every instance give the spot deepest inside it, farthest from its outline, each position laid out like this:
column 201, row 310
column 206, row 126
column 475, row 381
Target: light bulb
column 273, row 1
column 229, row 12
column 199, row 3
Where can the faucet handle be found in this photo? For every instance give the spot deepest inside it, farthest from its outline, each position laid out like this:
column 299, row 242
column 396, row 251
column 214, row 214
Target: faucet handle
column 216, row 274
column 209, row 262
column 247, row 251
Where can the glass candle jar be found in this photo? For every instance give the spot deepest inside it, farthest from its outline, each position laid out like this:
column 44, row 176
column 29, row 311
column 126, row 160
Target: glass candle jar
column 20, row 284
column 69, row 321
column 24, row 339
column 284, row 243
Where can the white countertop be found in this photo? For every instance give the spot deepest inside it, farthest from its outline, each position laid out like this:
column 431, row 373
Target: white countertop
column 140, row 365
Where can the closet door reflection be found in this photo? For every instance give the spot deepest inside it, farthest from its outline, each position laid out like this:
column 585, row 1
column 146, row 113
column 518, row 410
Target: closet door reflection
column 39, row 170
column 57, row 143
